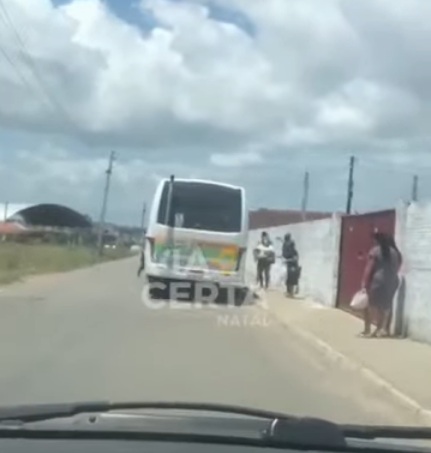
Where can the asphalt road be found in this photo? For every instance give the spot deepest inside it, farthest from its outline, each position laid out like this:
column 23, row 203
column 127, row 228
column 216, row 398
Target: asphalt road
column 86, row 335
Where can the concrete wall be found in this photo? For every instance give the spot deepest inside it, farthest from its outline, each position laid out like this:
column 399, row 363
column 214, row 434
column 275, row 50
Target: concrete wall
column 414, row 239
column 399, row 319
column 318, row 247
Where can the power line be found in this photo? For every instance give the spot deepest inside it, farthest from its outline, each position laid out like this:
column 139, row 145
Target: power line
column 21, row 74
column 105, row 203
column 31, row 64
column 350, row 185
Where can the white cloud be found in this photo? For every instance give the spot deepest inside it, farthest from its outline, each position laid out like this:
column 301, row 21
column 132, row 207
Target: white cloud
column 194, row 90
column 57, row 175
column 192, row 74
column 236, row 159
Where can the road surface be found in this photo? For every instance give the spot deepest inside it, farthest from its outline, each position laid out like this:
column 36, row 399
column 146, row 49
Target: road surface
column 86, row 335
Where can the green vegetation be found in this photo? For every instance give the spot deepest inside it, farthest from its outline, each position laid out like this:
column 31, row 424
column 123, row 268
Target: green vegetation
column 20, row 260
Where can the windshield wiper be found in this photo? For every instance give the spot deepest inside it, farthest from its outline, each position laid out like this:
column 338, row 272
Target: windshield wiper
column 385, row 432
column 280, row 429
column 41, row 412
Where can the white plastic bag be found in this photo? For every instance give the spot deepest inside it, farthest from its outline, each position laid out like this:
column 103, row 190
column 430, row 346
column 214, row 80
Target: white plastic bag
column 359, row 301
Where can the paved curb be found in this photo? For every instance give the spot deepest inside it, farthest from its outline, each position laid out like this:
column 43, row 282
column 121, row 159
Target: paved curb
column 423, row 415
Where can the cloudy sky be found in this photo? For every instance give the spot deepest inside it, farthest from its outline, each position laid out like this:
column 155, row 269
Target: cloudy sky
column 254, row 92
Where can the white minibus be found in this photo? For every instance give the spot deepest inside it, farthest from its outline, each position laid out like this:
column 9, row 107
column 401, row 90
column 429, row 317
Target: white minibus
column 197, row 232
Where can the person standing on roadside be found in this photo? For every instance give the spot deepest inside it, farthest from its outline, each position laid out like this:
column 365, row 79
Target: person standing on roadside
column 287, row 246
column 380, row 281
column 265, row 256
column 293, row 272
column 290, row 256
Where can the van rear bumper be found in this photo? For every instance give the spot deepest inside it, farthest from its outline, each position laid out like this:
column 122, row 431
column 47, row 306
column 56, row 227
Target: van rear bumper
column 224, row 280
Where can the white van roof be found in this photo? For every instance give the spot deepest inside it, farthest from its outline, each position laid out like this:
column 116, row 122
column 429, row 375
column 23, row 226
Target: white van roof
column 204, row 181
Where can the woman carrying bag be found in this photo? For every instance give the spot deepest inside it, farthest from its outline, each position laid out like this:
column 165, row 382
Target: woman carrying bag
column 380, row 283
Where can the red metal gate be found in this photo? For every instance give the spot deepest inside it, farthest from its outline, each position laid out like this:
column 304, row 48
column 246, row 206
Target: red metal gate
column 356, row 241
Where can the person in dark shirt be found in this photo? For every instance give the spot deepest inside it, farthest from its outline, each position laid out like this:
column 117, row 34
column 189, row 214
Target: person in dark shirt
column 287, row 246
column 290, row 255
column 293, row 270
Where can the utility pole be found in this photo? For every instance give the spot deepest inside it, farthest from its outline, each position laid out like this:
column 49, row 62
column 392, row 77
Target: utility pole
column 105, row 203
column 415, row 188
column 6, row 206
column 305, row 195
column 350, row 186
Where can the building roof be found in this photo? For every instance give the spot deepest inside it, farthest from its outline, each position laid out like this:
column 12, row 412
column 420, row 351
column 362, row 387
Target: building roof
column 53, row 215
column 266, row 218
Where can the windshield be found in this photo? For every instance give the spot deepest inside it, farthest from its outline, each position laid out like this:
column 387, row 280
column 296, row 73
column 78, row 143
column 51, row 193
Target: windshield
column 217, row 201
column 202, row 206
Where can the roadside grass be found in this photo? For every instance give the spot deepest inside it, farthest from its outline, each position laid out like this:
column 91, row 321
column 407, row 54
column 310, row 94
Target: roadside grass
column 18, row 261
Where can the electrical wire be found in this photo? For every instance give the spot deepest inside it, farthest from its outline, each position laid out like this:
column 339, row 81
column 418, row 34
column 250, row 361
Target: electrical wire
column 49, row 97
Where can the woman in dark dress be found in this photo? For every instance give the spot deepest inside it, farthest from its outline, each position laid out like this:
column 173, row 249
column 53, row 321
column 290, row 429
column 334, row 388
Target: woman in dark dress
column 381, row 283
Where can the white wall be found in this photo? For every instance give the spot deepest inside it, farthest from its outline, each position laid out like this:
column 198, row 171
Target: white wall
column 414, row 239
column 318, row 247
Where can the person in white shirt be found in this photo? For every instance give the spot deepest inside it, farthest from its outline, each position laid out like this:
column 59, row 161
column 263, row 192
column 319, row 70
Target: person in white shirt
column 264, row 255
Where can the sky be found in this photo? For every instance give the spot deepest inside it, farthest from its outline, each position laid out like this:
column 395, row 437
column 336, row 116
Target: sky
column 251, row 92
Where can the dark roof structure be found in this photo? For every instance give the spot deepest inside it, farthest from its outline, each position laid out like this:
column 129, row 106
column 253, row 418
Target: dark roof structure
column 49, row 215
